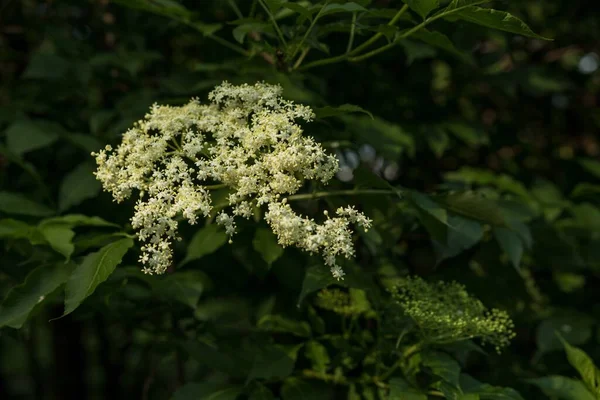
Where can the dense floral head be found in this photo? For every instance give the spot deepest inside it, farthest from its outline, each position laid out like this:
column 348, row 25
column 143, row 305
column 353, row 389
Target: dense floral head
column 248, row 139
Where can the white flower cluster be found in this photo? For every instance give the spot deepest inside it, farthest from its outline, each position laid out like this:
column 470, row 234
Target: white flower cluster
column 246, row 139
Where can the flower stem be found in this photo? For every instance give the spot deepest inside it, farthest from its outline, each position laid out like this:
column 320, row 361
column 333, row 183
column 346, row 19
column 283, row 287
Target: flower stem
column 376, row 37
column 310, row 28
column 274, row 22
column 352, row 192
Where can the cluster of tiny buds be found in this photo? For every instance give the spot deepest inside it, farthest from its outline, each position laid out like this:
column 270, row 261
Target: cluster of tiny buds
column 246, row 139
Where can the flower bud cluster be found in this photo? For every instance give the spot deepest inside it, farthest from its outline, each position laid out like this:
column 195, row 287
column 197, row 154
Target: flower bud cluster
column 247, row 138
column 445, row 312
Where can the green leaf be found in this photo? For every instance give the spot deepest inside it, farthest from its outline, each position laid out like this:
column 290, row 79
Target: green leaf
column 474, row 206
column 95, row 269
column 574, row 327
column 167, row 8
column 334, row 8
column 444, row 366
column 325, row 112
column 24, row 136
column 77, row 186
column 511, row 243
column 487, row 392
column 562, row 388
column 591, row 166
column 401, row 390
column 483, row 177
column 46, row 66
column 281, row 324
column 206, row 241
column 185, row 287
column 299, row 389
column 497, row 20
column 584, row 365
column 78, row 220
column 16, row 203
column 456, row 4
column 422, row 7
column 271, row 362
column 208, row 391
column 316, row 277
column 11, row 228
column 437, row 139
column 467, row 133
column 451, row 234
column 300, row 9
column 586, row 190
column 317, row 354
column 240, row 32
column 462, row 234
column 59, row 237
column 416, row 51
column 261, row 392
column 21, row 299
column 265, row 243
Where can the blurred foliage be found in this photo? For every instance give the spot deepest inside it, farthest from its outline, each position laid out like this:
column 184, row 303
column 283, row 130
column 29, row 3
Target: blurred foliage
column 486, row 132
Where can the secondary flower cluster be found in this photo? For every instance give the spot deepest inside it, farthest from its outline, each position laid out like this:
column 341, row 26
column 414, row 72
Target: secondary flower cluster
column 246, row 139
column 445, row 313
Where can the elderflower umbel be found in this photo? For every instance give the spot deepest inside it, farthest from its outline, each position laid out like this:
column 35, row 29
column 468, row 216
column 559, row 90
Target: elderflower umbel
column 445, row 312
column 246, row 139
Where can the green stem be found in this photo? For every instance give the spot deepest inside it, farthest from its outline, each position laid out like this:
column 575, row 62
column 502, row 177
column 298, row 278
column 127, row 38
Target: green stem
column 301, row 58
column 274, row 22
column 351, row 38
column 362, row 57
column 310, row 28
column 376, row 37
column 387, row 46
column 235, row 8
column 252, row 9
column 318, row 195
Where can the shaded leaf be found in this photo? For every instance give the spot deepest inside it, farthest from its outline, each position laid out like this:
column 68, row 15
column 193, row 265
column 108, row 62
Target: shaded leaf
column 473, row 206
column 511, row 243
column 206, row 241
column 316, row 277
column 271, row 362
column 185, row 287
column 207, row 391
column 265, row 243
column 59, row 237
column 94, row 269
column 334, row 8
column 16, row 203
column 401, row 390
column 300, row 389
column 562, row 388
column 422, row 7
column 591, row 166
column 325, row 112
column 78, row 185
column 21, row 299
column 497, row 20
column 281, row 324
column 24, row 136
column 574, row 327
